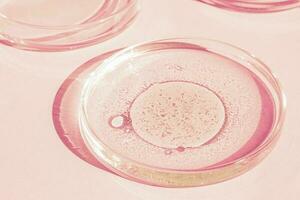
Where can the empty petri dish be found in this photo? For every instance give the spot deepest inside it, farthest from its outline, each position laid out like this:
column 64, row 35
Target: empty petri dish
column 172, row 113
column 255, row 6
column 57, row 25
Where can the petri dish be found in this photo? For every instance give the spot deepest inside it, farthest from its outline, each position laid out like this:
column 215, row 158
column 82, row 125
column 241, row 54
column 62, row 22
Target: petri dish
column 172, row 113
column 59, row 25
column 254, row 6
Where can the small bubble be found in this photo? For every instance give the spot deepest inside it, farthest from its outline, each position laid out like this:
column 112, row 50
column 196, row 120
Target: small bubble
column 168, row 151
column 117, row 121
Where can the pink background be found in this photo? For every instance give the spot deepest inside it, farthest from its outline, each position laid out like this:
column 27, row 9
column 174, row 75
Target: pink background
column 35, row 165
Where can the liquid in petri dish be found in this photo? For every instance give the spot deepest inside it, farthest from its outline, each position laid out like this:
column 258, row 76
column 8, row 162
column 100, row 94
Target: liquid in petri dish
column 181, row 109
column 174, row 115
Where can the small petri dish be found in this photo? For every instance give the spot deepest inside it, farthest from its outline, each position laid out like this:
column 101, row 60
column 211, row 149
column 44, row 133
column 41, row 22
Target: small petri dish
column 59, row 25
column 172, row 113
column 254, row 6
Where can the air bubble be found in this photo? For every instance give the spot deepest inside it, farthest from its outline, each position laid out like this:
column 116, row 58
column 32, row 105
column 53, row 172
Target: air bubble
column 117, row 121
column 127, row 130
column 168, row 152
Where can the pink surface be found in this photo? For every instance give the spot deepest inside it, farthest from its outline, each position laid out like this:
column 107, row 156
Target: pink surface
column 36, row 165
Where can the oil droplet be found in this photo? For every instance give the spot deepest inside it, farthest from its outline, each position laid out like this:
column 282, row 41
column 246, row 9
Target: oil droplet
column 180, row 149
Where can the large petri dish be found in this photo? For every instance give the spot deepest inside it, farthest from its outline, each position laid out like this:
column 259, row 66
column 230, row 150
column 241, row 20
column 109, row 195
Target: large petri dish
column 175, row 112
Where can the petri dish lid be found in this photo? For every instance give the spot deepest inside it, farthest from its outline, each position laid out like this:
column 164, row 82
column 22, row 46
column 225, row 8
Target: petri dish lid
column 44, row 25
column 175, row 113
column 254, row 6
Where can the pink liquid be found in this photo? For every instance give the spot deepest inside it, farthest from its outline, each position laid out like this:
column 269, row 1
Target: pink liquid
column 181, row 109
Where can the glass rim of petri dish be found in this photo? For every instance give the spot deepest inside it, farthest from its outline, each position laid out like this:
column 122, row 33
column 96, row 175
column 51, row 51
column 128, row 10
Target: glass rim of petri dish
column 123, row 165
column 250, row 6
column 117, row 16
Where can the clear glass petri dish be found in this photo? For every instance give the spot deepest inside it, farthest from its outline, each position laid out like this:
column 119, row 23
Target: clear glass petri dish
column 59, row 25
column 254, row 6
column 172, row 113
